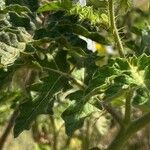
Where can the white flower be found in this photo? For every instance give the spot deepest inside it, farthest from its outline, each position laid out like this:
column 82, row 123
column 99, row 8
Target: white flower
column 94, row 46
column 82, row 2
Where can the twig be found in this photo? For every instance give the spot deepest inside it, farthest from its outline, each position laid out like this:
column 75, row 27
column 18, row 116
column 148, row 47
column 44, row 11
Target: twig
column 114, row 114
column 75, row 81
column 8, row 128
column 54, row 132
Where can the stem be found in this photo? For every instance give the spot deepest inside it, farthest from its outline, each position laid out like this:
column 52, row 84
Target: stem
column 125, row 133
column 127, row 117
column 114, row 114
column 80, row 84
column 128, row 128
column 114, row 28
column 96, row 91
column 119, row 140
column 67, row 143
column 87, row 135
column 138, row 124
column 54, row 133
column 8, row 128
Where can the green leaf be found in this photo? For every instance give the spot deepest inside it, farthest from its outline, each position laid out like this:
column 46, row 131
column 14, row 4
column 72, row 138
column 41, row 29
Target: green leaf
column 144, row 47
column 12, row 43
column 98, row 4
column 95, row 16
column 41, row 104
column 43, row 92
column 52, row 6
column 9, row 54
column 100, row 77
column 75, row 115
column 143, row 61
column 20, row 21
column 7, row 97
column 66, row 4
column 122, row 64
column 31, row 4
column 55, row 6
column 21, row 14
column 63, row 25
column 89, row 67
column 2, row 4
column 125, row 6
column 95, row 36
column 114, row 80
column 141, row 99
column 15, row 8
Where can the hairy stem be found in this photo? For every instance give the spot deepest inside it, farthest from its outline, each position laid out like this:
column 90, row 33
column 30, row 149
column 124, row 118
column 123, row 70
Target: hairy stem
column 127, row 117
column 114, row 28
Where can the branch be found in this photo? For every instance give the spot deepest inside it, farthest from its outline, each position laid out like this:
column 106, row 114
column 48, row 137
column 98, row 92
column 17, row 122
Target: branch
column 8, row 128
column 79, row 83
column 125, row 133
column 127, row 117
column 114, row 28
column 55, row 137
column 138, row 124
column 114, row 114
column 119, row 141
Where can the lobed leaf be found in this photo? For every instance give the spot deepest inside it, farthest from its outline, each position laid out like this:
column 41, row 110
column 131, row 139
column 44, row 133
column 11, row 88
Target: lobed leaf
column 75, row 115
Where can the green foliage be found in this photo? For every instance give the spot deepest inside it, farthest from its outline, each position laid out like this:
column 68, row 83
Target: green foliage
column 112, row 83
column 31, row 4
column 75, row 115
column 125, row 5
column 56, row 5
column 87, row 12
column 45, row 90
column 43, row 56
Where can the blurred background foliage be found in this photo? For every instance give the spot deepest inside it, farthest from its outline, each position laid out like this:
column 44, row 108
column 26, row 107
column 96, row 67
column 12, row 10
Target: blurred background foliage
column 48, row 132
